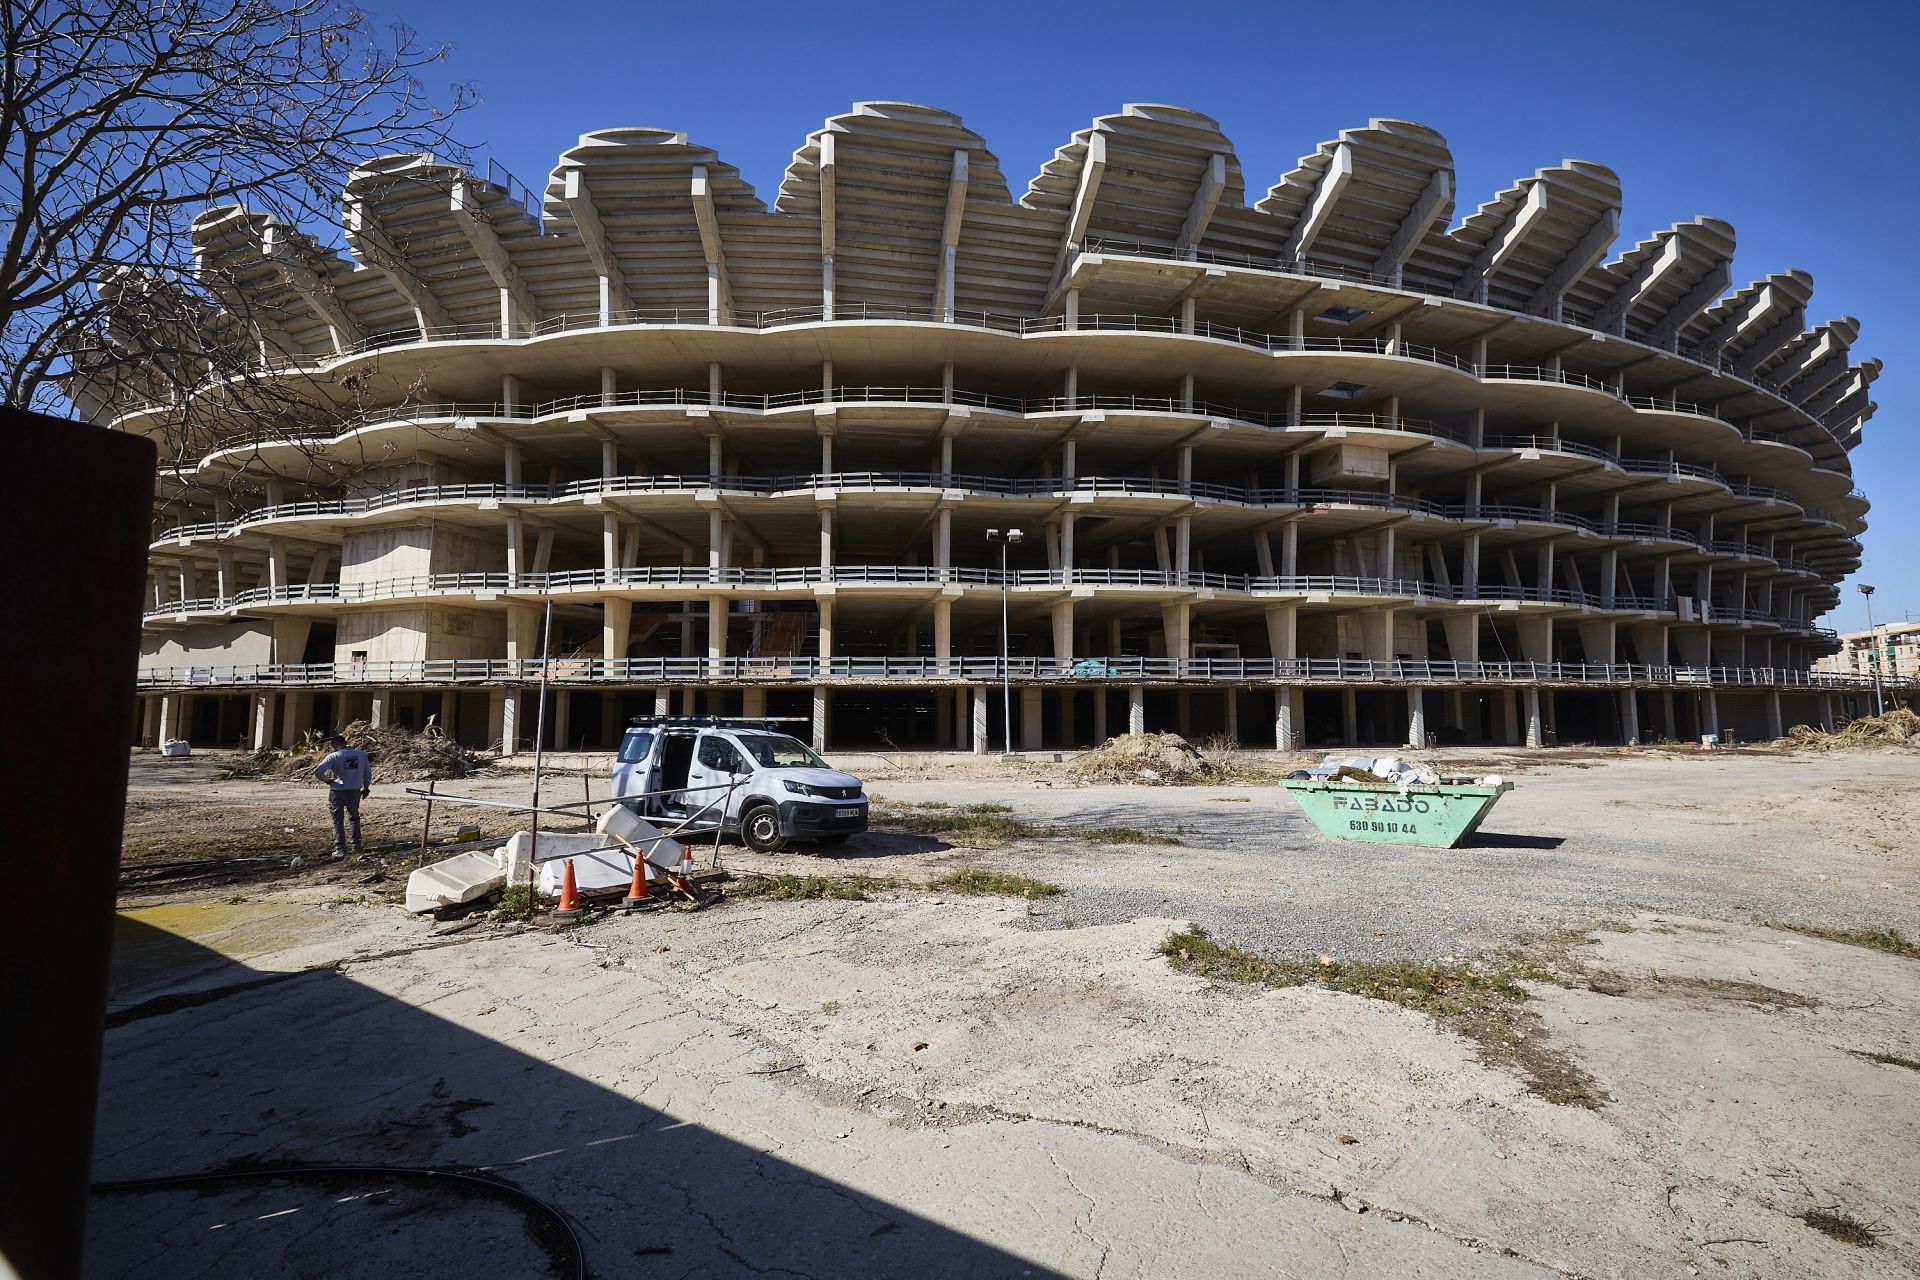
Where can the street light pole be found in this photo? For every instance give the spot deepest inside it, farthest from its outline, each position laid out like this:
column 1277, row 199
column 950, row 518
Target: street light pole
column 1873, row 640
column 1006, row 640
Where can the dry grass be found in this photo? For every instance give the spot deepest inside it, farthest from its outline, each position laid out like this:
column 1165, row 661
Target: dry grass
column 1897, row 728
column 1483, row 1002
column 1886, row 1059
column 1117, row 835
column 979, row 880
column 1841, row 1228
column 1891, row 941
column 984, row 826
column 785, row 888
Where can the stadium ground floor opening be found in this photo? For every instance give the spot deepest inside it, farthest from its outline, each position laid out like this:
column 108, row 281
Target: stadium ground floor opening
column 1043, row 716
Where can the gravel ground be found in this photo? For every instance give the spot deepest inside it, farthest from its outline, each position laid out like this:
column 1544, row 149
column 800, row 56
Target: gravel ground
column 1826, row 840
column 1813, row 838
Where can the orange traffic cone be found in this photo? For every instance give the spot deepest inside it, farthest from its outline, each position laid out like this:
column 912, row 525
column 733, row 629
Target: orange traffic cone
column 639, row 891
column 569, row 908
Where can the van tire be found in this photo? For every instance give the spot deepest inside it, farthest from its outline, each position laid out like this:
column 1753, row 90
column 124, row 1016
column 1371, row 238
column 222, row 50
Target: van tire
column 760, row 828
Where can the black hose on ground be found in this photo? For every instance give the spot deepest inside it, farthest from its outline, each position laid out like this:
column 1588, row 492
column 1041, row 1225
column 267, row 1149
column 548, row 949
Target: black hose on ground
column 490, row 1186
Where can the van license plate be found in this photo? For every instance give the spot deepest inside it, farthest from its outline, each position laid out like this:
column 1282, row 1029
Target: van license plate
column 846, row 813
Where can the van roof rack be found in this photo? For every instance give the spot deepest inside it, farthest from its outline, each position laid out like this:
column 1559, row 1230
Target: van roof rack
column 713, row 722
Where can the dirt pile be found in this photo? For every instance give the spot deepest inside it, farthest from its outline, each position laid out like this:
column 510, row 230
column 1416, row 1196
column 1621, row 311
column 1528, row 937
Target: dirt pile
column 397, row 754
column 1149, row 759
column 1897, row 728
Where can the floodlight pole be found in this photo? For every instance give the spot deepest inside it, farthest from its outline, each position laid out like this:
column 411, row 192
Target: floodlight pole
column 1006, row 640
column 1873, row 642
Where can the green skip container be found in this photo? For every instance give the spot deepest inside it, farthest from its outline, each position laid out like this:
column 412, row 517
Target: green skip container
column 1437, row 815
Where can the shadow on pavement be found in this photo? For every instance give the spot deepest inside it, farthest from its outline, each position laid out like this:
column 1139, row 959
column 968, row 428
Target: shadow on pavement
column 321, row 1069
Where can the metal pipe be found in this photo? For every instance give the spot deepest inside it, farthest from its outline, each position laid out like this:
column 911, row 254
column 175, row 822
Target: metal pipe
column 1006, row 659
column 539, row 736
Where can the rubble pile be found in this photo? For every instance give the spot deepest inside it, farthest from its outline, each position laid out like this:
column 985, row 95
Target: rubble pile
column 397, row 754
column 1148, row 759
column 1897, row 728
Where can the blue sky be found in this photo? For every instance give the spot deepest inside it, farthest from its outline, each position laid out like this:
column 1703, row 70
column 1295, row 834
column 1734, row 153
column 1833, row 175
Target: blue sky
column 1797, row 123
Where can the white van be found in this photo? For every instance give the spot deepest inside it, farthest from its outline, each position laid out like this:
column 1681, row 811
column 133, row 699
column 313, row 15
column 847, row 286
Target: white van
column 782, row 792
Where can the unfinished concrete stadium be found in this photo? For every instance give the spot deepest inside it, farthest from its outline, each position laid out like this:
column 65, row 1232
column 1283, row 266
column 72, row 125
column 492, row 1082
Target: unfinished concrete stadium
column 1326, row 468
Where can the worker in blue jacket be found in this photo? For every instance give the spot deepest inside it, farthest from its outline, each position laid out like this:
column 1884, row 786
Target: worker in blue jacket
column 349, row 777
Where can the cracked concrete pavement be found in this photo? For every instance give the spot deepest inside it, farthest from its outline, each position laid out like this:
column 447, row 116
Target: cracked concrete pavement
column 931, row 1085
column 738, row 1091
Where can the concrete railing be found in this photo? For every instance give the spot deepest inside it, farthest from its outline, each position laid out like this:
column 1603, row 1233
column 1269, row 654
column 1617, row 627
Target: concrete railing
column 1028, row 326
column 1711, row 361
column 971, row 670
column 976, row 485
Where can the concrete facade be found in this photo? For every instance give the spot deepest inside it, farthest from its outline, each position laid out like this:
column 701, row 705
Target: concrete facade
column 1282, row 462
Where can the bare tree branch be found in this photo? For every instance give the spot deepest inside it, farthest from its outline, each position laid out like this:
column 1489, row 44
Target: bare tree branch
column 122, row 123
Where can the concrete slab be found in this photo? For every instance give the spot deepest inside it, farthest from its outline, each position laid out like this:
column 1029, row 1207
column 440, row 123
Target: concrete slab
column 452, row 881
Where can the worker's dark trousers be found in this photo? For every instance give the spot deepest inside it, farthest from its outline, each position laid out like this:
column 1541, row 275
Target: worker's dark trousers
column 344, row 803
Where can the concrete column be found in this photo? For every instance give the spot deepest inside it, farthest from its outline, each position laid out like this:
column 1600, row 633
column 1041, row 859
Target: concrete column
column 1174, row 623
column 822, row 709
column 1710, row 713
column 716, row 630
column 962, row 719
column 1776, row 726
column 1629, row 717
column 609, row 716
column 263, row 718
column 662, row 701
column 1535, row 730
column 296, row 716
column 616, row 629
column 1099, row 714
column 503, row 714
column 1062, row 616
column 524, row 624
column 943, row 628
column 1286, row 718
column 1670, row 723
column 1350, row 716
column 150, row 721
column 1826, row 712
column 1463, row 636
column 1536, row 638
column 1282, row 630
column 1416, row 717
column 379, row 716
column 562, row 701
column 826, row 626
column 1031, row 717
column 1233, row 714
column 1509, row 717
column 1136, row 709
column 980, row 720
column 1290, row 545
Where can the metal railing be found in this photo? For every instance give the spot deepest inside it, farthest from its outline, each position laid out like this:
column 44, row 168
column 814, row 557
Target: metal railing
column 806, row 577
column 1090, row 670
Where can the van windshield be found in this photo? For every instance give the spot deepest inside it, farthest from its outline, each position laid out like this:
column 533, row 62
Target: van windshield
column 778, row 751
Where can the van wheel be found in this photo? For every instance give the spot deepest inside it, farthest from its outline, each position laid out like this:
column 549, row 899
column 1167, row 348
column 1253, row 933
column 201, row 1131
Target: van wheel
column 760, row 828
